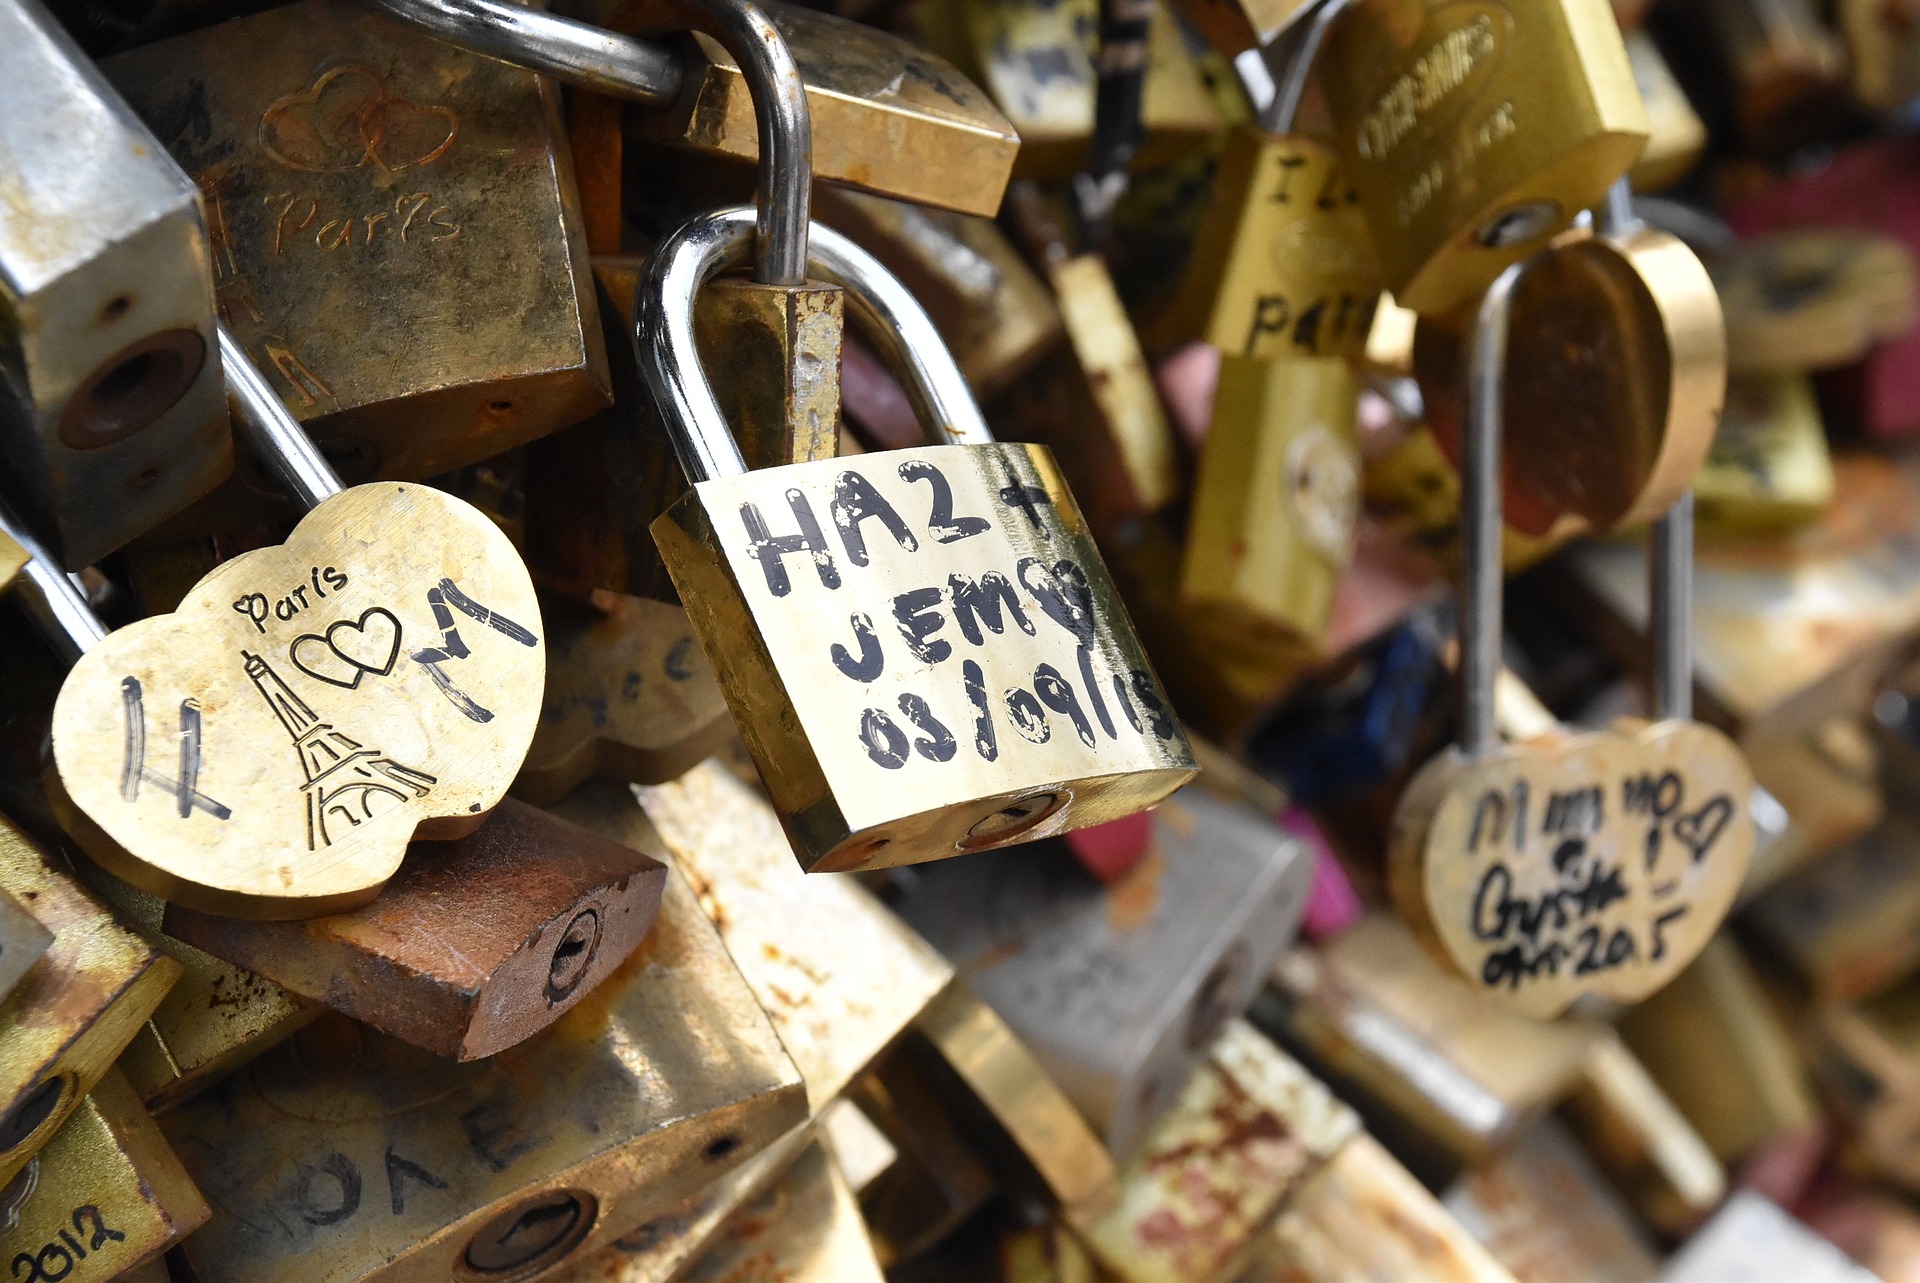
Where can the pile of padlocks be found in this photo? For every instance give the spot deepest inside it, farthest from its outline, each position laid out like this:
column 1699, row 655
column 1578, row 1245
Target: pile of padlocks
column 1196, row 742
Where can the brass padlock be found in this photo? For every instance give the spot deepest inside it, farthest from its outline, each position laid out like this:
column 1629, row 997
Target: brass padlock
column 1037, row 759
column 1475, row 132
column 1883, row 54
column 1646, row 1147
column 105, row 1195
column 1676, row 136
column 1827, row 782
column 395, row 606
column 1815, row 299
column 1863, row 1060
column 1599, row 863
column 23, row 938
column 1769, row 471
column 112, row 418
column 806, row 1229
column 937, row 1182
column 74, row 1010
column 1119, row 989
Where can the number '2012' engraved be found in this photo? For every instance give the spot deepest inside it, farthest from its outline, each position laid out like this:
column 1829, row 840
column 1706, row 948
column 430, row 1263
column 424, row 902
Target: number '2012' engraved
column 56, row 1259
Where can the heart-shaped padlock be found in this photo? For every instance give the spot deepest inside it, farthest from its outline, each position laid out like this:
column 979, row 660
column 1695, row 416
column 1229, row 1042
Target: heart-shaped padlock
column 1596, row 863
column 270, row 748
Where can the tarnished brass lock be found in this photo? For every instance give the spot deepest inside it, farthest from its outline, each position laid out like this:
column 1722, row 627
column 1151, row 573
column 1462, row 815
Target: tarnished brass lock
column 806, row 1229
column 1119, row 989
column 1615, row 378
column 1072, row 728
column 937, row 1181
column 1883, row 50
column 363, row 185
column 75, row 1008
column 1476, row 131
column 1676, row 136
column 23, row 938
column 104, row 1195
column 111, row 418
column 1249, row 1129
column 475, row 946
column 1646, row 1147
column 1815, row 299
column 1599, row 863
column 394, row 607
column 1769, row 470
column 1864, row 1061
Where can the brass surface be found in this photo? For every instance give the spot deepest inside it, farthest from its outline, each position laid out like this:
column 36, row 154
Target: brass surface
column 1475, row 131
column 1283, row 261
column 346, row 1155
column 780, row 348
column 1676, row 136
column 937, row 1181
column 851, row 788
column 1883, row 53
column 105, row 1194
column 74, row 1010
column 1847, row 925
column 1828, row 777
column 1644, row 1145
column 475, row 946
column 13, row 559
column 1250, row 1128
column 1769, row 469
column 838, row 974
column 22, row 940
column 395, row 235
column 1815, row 299
column 396, row 697
column 1866, row 1057
column 1417, row 489
column 1232, row 26
column 630, row 696
column 806, row 1229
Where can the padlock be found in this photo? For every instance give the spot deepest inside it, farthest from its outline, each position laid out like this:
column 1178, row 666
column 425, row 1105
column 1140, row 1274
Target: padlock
column 629, row 696
column 1863, row 1059
column 1591, row 864
column 859, row 1149
column 395, row 603
column 1542, row 1210
column 1815, row 299
column 1283, row 262
column 1752, row 1238
column 390, row 1163
column 112, row 416
column 1415, row 487
column 1826, row 781
column 13, row 560
column 936, row 1184
column 1249, row 1129
column 1118, row 990
column 1459, row 1073
column 476, row 945
column 105, row 1195
column 806, row 1229
column 1474, row 133
column 75, row 1009
column 1769, row 470
column 1883, row 55
column 1777, row 72
column 1237, row 26
column 1676, row 136
column 1364, row 1216
column 23, row 938
column 1720, row 1051
column 1617, row 369
column 1081, row 755
column 353, row 172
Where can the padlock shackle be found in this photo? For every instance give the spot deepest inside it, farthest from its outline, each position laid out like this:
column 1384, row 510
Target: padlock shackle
column 886, row 312
column 274, row 434
column 52, row 596
column 1292, row 63
column 645, row 72
column 1616, row 216
column 1670, row 612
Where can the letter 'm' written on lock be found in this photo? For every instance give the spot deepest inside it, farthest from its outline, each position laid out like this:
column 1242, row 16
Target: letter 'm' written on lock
column 770, row 550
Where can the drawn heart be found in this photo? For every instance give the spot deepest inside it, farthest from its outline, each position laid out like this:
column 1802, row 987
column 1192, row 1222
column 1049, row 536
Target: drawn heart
column 402, row 135
column 234, row 756
column 1597, row 863
column 318, row 129
column 350, row 648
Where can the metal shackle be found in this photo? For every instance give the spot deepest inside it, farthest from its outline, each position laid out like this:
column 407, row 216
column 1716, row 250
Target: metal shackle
column 885, row 310
column 52, row 596
column 272, row 432
column 649, row 73
column 1291, row 61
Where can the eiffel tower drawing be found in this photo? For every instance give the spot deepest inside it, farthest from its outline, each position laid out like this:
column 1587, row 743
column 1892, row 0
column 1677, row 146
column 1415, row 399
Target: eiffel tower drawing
column 347, row 782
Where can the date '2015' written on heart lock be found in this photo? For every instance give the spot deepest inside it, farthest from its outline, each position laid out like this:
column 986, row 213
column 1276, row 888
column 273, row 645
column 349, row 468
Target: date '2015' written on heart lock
column 1586, row 918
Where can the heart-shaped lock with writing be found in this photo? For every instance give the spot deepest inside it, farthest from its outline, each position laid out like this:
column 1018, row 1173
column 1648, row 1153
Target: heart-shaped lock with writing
column 269, row 749
column 1595, row 863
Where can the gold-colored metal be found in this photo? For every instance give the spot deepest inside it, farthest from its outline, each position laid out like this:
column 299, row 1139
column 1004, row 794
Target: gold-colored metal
column 1815, row 299
column 1476, row 131
column 74, row 1010
column 1234, row 26
column 806, row 1229
column 103, row 1196
column 269, row 749
column 780, row 348
column 1283, row 262
column 1828, row 779
column 1769, row 470
column 1417, row 490
column 630, row 696
column 1720, row 1051
column 475, row 946
column 23, row 938
column 13, row 559
column 1846, row 924
column 386, row 1163
column 1676, row 136
column 1364, row 1216
column 367, row 187
column 937, row 1182
column 1866, row 1056
column 1274, row 505
column 988, row 761
column 860, row 1150
column 1883, row 54
column 1464, row 1072
column 888, row 116
column 1786, row 68
column 1645, row 1145
column 1250, row 1128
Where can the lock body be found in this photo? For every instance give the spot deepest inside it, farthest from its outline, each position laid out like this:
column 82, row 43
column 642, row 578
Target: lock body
column 1769, row 470
column 1007, row 697
column 780, row 346
column 1234, row 26
column 112, row 416
column 1676, row 136
column 23, row 938
column 1474, row 132
column 806, row 1229
column 365, row 185
column 1843, row 925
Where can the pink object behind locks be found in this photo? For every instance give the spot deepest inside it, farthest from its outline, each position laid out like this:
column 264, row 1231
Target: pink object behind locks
column 1333, row 905
column 1110, row 851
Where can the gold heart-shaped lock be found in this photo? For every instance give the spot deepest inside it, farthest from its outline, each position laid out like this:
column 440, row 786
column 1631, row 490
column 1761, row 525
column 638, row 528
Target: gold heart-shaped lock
column 270, row 748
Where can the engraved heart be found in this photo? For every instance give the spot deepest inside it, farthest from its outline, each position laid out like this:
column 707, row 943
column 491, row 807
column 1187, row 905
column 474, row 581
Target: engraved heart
column 402, row 135
column 317, row 129
column 233, row 753
column 350, row 648
column 1597, row 863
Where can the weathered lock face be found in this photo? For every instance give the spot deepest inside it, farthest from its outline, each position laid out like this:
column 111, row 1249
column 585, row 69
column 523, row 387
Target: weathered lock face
column 369, row 189
column 22, row 940
column 1474, row 130
column 924, row 652
column 1599, row 864
column 269, row 749
column 1769, row 469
